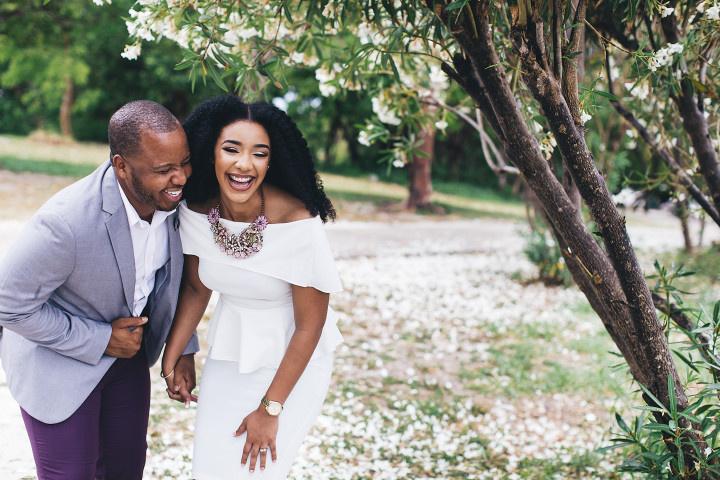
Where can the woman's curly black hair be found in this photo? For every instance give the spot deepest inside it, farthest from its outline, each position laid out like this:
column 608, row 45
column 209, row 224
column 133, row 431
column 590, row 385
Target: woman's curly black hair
column 291, row 164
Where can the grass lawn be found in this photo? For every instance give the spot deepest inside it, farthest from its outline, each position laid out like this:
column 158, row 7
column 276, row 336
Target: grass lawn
column 53, row 156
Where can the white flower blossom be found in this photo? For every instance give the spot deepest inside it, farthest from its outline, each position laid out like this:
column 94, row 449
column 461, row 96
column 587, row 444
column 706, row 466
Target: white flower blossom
column 365, row 32
column 131, row 52
column 297, row 57
column 666, row 11
column 384, row 113
column 640, row 90
column 664, row 56
column 585, row 116
column 441, row 125
column 325, row 76
column 364, row 138
column 327, row 90
column 438, row 79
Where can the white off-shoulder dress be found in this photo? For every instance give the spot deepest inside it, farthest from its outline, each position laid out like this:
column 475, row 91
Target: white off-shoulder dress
column 248, row 335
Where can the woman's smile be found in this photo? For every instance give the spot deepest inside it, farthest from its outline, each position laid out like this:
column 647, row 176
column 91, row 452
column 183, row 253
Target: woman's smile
column 241, row 183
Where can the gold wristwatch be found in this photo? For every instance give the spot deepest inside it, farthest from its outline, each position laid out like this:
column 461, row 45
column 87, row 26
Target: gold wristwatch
column 272, row 407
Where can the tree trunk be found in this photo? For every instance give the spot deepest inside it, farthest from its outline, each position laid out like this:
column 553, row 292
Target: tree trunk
column 419, row 172
column 683, row 214
column 611, row 279
column 350, row 136
column 66, row 108
column 332, row 137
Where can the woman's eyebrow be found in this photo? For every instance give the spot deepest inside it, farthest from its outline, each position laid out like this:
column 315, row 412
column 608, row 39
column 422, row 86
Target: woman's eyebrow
column 236, row 142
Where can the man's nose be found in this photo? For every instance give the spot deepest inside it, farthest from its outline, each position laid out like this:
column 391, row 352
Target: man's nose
column 181, row 175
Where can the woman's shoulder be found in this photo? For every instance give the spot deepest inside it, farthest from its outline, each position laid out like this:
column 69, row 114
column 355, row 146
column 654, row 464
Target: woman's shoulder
column 283, row 207
column 200, row 207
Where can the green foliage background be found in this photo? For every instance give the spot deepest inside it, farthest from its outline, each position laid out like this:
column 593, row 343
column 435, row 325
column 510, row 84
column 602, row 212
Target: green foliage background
column 42, row 43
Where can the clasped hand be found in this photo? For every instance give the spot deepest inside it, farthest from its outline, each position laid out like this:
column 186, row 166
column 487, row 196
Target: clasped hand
column 180, row 379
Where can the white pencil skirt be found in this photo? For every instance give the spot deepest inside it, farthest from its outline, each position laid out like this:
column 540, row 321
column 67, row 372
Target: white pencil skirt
column 226, row 397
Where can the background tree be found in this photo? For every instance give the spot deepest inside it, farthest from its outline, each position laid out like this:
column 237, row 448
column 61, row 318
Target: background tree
column 46, row 55
column 61, row 67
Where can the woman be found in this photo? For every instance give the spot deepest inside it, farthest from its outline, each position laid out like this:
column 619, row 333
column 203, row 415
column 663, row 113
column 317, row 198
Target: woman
column 252, row 231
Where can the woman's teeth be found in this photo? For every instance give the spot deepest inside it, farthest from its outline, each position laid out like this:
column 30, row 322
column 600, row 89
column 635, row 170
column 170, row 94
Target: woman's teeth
column 241, row 181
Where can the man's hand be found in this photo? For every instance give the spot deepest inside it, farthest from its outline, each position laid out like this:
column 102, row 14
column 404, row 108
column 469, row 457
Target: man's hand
column 182, row 381
column 126, row 337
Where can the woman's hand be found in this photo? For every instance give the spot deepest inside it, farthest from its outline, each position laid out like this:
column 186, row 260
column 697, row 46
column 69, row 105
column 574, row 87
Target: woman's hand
column 261, row 429
column 181, row 382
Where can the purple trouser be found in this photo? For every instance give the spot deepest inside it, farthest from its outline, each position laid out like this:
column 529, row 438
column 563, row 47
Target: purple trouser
column 106, row 436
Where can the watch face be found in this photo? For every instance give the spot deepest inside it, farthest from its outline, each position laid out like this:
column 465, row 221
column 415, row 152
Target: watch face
column 274, row 408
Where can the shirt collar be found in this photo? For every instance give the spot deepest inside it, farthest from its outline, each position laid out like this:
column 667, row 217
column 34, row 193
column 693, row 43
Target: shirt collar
column 133, row 218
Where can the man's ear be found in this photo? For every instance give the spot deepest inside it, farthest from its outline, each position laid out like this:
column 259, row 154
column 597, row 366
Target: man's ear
column 120, row 165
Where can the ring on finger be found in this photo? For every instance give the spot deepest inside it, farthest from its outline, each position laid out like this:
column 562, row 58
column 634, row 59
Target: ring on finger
column 263, row 449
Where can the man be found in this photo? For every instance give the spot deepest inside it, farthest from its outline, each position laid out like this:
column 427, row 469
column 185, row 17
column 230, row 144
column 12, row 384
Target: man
column 87, row 296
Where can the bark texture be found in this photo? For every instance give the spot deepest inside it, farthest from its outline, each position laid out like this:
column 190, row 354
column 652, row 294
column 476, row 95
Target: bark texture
column 610, row 277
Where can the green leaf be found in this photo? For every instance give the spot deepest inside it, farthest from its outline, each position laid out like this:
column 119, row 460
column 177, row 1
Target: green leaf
column 671, row 394
column 658, row 403
column 686, row 361
column 396, row 73
column 607, row 95
column 621, row 423
column 216, row 77
column 456, row 5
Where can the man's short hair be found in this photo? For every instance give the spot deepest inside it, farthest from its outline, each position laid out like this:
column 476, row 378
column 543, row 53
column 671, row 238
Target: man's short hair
column 131, row 119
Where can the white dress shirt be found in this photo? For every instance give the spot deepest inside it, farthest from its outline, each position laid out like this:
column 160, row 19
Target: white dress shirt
column 150, row 248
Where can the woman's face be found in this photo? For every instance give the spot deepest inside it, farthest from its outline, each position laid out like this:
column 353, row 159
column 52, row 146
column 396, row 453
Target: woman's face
column 242, row 157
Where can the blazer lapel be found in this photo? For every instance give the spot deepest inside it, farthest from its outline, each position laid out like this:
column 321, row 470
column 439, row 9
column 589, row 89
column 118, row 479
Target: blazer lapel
column 176, row 253
column 119, row 233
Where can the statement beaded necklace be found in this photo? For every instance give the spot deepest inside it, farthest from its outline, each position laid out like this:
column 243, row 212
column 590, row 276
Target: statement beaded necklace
column 244, row 244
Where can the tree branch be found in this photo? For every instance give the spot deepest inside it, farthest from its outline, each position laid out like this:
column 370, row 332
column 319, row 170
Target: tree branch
column 557, row 36
column 663, row 153
column 466, row 76
column 570, row 62
column 694, row 122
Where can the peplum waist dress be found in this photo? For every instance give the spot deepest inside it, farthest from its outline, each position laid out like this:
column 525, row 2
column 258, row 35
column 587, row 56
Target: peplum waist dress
column 248, row 335
column 253, row 320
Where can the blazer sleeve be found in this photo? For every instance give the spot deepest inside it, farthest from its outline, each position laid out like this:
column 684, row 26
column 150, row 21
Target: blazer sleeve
column 31, row 271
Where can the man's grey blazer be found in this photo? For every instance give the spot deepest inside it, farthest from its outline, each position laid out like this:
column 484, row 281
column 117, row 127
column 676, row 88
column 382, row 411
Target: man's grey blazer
column 69, row 275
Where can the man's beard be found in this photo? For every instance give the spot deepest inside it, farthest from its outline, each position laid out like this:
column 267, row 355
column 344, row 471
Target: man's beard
column 142, row 193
